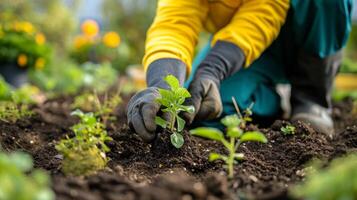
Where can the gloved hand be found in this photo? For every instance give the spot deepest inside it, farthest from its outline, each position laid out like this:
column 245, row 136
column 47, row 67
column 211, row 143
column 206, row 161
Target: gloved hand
column 223, row 60
column 142, row 107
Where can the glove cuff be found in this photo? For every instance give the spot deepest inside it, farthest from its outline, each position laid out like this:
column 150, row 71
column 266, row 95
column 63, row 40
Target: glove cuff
column 160, row 68
column 223, row 60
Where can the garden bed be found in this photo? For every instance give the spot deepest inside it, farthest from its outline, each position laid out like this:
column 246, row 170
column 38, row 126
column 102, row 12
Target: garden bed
column 137, row 170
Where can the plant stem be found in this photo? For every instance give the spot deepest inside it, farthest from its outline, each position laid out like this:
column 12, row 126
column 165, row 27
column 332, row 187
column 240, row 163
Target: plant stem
column 172, row 123
column 230, row 160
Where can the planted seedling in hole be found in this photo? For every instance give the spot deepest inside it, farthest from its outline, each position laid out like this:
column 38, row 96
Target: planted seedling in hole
column 84, row 154
column 235, row 137
column 11, row 112
column 172, row 102
column 288, row 130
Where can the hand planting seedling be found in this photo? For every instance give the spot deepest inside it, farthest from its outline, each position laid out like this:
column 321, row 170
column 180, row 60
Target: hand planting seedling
column 11, row 112
column 19, row 181
column 288, row 130
column 172, row 102
column 84, row 154
column 236, row 137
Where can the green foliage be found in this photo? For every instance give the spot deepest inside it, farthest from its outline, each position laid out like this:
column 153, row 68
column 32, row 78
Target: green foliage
column 348, row 66
column 5, row 90
column 91, row 102
column 11, row 112
column 18, row 181
column 337, row 182
column 84, row 154
column 99, row 76
column 288, row 130
column 172, row 101
column 236, row 137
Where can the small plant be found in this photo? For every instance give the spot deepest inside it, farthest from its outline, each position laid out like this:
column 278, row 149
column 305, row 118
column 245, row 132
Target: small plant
column 18, row 180
column 84, row 154
column 336, row 182
column 172, row 100
column 247, row 114
column 236, row 137
column 91, row 102
column 10, row 112
column 288, row 130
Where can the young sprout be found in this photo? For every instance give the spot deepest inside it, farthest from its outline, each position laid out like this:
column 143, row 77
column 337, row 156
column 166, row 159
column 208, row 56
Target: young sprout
column 11, row 112
column 90, row 102
column 236, row 137
column 247, row 113
column 84, row 154
column 288, row 130
column 172, row 102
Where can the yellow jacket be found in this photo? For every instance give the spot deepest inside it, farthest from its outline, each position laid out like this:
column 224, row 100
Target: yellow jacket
column 250, row 24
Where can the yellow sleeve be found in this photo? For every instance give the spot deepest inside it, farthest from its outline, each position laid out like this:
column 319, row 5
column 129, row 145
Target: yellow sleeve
column 255, row 26
column 175, row 30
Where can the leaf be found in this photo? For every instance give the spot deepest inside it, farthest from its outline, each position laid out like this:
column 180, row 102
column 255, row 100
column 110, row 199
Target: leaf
column 209, row 133
column 182, row 92
column 176, row 140
column 77, row 112
column 254, row 136
column 22, row 161
column 180, row 123
column 189, row 109
column 234, row 132
column 231, row 120
column 161, row 122
column 239, row 156
column 172, row 82
column 215, row 156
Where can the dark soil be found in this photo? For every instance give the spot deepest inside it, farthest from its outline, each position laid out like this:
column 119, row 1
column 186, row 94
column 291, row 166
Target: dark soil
column 140, row 171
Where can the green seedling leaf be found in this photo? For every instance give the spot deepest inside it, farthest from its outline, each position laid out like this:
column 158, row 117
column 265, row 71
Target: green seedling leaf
column 215, row 156
column 161, row 122
column 180, row 123
column 288, row 130
column 231, row 121
column 253, row 136
column 173, row 82
column 239, row 156
column 234, row 132
column 177, row 140
column 209, row 133
column 183, row 92
column 77, row 112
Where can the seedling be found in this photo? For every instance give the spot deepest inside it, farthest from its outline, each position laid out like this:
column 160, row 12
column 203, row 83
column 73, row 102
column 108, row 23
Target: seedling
column 247, row 114
column 288, row 130
column 10, row 112
column 91, row 102
column 236, row 137
column 171, row 100
column 84, row 154
column 19, row 181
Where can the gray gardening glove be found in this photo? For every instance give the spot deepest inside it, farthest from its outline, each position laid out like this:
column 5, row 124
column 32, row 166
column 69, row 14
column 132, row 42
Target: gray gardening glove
column 223, row 60
column 142, row 107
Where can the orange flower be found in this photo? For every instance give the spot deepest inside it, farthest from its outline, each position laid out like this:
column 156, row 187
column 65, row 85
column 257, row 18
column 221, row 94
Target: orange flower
column 40, row 38
column 80, row 41
column 111, row 39
column 22, row 60
column 40, row 63
column 90, row 28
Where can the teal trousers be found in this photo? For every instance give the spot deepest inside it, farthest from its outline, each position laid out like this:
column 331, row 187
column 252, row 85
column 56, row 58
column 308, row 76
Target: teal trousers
column 317, row 27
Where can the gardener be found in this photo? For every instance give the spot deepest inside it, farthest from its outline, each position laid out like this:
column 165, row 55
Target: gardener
column 250, row 51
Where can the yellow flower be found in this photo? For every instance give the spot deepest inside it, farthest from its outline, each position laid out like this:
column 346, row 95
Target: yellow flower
column 80, row 41
column 111, row 39
column 40, row 63
column 90, row 28
column 22, row 60
column 40, row 38
column 27, row 27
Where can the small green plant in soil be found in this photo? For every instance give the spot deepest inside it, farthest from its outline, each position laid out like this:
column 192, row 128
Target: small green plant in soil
column 246, row 116
column 336, row 182
column 103, row 110
column 18, row 180
column 11, row 112
column 84, row 154
column 172, row 102
column 288, row 130
column 235, row 137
